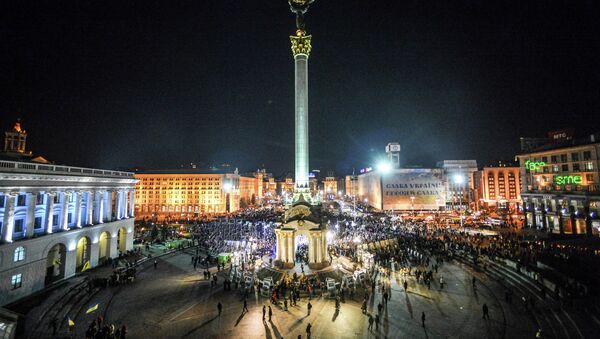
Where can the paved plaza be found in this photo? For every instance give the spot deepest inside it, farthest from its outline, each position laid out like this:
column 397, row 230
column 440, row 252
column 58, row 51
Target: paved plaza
column 174, row 301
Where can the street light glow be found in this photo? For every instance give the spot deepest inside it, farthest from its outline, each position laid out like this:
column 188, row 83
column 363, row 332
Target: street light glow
column 384, row 167
column 459, row 179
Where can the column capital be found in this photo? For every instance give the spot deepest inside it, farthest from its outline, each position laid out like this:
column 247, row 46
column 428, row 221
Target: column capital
column 301, row 43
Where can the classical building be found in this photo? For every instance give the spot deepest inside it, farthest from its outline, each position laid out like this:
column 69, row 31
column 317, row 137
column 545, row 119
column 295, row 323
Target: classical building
column 560, row 185
column 54, row 220
column 15, row 142
column 189, row 193
column 499, row 189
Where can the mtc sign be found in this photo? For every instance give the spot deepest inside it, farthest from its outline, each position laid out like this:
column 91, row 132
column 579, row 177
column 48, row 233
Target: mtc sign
column 567, row 179
column 534, row 165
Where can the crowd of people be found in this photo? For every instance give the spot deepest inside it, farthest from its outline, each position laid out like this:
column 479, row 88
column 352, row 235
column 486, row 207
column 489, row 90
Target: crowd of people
column 99, row 329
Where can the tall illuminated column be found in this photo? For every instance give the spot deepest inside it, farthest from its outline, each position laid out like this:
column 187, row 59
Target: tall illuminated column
column 301, row 50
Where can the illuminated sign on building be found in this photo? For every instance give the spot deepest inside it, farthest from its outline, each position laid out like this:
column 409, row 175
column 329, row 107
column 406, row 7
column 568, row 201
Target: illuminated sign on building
column 567, row 179
column 534, row 165
column 366, row 170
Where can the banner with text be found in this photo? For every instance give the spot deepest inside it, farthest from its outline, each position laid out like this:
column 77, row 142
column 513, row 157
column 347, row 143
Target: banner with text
column 418, row 189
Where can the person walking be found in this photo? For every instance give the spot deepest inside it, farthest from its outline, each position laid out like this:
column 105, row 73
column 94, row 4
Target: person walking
column 264, row 312
column 308, row 327
column 220, row 308
column 405, row 286
column 370, row 322
column 309, row 306
column 285, row 304
column 423, row 319
column 486, row 312
column 245, row 309
column 155, row 263
column 377, row 318
column 441, row 283
column 270, row 312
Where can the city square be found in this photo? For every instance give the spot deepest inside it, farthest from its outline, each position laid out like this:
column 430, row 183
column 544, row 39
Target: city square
column 397, row 202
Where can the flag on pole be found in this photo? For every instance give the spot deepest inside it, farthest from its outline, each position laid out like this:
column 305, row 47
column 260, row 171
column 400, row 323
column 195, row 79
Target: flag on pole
column 86, row 266
column 92, row 309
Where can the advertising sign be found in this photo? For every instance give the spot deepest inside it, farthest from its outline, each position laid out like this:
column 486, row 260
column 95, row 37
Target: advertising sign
column 414, row 189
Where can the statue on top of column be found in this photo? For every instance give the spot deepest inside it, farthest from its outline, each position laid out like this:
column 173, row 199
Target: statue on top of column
column 299, row 7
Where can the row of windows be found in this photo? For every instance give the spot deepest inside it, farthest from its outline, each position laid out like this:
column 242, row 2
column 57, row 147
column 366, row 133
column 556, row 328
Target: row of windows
column 575, row 156
column 39, row 199
column 180, row 179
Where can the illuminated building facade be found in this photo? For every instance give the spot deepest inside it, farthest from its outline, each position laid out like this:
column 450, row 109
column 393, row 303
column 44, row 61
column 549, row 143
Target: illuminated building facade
column 189, row 193
column 330, row 188
column 56, row 220
column 561, row 187
column 351, row 184
column 499, row 188
column 460, row 183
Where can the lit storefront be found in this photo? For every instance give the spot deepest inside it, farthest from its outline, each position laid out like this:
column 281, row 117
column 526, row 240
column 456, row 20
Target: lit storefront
column 560, row 187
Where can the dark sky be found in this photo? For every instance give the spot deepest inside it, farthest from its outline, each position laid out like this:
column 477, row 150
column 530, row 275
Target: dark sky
column 161, row 83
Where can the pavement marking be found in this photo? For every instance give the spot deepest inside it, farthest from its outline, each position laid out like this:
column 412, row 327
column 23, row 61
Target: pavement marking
column 182, row 312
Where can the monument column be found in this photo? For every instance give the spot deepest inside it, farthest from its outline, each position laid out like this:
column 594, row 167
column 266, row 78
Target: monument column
column 301, row 48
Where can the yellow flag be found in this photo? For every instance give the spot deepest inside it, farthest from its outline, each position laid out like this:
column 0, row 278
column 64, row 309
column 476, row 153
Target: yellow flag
column 92, row 309
column 71, row 323
column 86, row 266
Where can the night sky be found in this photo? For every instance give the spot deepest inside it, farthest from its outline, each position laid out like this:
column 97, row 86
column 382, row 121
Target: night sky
column 124, row 84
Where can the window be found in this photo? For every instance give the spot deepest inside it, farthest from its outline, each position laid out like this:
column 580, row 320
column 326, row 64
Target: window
column 39, row 198
column 589, row 166
column 589, row 178
column 554, row 159
column 56, row 198
column 37, row 223
column 2, row 200
column 70, row 218
column 555, row 169
column 16, row 280
column 574, row 156
column 576, row 167
column 19, row 254
column 563, row 158
column 565, row 168
column 21, row 199
column 18, row 226
column 587, row 155
column 544, row 159
column 55, row 220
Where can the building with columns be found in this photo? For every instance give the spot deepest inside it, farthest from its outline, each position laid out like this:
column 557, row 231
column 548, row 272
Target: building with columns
column 561, row 186
column 54, row 220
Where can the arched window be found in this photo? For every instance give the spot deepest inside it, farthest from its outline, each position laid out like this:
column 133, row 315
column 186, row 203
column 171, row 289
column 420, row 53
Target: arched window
column 19, row 254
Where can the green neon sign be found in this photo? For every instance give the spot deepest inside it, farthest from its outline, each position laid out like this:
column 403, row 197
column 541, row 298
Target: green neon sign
column 534, row 165
column 567, row 179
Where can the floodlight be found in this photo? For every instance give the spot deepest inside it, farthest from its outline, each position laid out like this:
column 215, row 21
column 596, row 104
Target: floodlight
column 459, row 179
column 384, row 167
